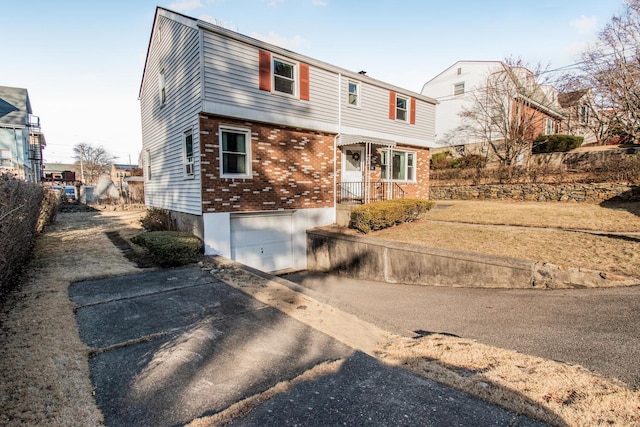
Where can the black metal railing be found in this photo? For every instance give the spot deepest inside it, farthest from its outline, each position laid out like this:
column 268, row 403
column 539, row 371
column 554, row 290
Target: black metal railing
column 361, row 192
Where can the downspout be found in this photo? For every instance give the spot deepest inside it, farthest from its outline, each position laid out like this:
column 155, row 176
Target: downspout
column 335, row 146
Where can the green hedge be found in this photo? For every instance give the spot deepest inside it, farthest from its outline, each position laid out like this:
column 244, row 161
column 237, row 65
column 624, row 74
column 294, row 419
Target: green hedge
column 379, row 215
column 170, row 248
column 556, row 143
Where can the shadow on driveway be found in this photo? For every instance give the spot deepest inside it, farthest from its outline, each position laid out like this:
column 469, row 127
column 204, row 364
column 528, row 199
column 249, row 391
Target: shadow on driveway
column 171, row 346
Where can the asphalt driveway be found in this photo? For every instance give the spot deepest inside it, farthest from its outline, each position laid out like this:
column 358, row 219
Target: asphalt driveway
column 596, row 328
column 170, row 346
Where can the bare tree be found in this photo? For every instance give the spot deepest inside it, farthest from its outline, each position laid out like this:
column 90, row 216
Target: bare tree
column 511, row 110
column 94, row 161
column 611, row 68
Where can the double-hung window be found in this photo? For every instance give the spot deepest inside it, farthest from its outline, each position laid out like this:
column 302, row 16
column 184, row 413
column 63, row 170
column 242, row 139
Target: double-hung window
column 402, row 108
column 162, row 88
column 398, row 165
column 284, row 77
column 235, row 152
column 188, row 154
column 458, row 89
column 147, row 165
column 584, row 114
column 549, row 127
column 354, row 94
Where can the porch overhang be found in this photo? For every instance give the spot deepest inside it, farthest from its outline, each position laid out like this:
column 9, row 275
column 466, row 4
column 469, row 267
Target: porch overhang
column 344, row 140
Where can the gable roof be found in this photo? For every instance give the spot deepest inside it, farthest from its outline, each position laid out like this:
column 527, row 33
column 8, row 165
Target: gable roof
column 14, row 106
column 568, row 99
column 224, row 32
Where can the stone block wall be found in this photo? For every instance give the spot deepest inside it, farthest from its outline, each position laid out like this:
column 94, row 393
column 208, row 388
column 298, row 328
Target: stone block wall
column 570, row 192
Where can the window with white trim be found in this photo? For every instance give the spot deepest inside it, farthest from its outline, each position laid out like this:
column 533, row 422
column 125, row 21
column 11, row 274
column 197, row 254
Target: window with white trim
column 147, row 165
column 188, row 154
column 402, row 108
column 235, row 152
column 584, row 114
column 458, row 89
column 162, row 86
column 354, row 94
column 549, row 127
column 398, row 165
column 284, row 77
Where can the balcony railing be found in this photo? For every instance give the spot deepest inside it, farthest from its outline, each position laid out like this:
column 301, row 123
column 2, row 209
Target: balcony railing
column 361, row 192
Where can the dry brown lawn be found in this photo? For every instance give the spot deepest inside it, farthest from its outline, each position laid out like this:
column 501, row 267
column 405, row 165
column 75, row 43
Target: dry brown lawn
column 607, row 252
column 621, row 217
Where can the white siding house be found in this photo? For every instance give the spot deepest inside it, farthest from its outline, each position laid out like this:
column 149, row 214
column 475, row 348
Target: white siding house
column 452, row 88
column 245, row 142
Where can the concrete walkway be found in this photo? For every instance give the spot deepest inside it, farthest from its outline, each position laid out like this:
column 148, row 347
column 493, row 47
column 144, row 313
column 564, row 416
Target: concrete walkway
column 171, row 346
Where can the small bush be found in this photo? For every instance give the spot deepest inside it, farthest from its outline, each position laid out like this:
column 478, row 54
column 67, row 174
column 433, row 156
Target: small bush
column 158, row 219
column 556, row 143
column 170, row 248
column 379, row 215
column 472, row 161
column 441, row 160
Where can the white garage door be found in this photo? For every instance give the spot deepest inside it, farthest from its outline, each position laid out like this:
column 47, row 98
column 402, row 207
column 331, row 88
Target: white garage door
column 262, row 241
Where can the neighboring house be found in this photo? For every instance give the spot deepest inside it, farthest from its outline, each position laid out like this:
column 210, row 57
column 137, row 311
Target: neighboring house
column 122, row 175
column 580, row 116
column 459, row 87
column 246, row 143
column 121, row 171
column 66, row 173
column 21, row 139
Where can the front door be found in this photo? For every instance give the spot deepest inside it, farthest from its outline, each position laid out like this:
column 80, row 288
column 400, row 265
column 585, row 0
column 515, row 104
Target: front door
column 352, row 178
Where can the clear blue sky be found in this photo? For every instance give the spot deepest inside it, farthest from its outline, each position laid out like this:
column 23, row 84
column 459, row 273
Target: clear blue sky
column 82, row 61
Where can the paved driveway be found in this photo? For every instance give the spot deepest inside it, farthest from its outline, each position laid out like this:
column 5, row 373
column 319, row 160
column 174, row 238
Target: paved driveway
column 596, row 328
column 170, row 346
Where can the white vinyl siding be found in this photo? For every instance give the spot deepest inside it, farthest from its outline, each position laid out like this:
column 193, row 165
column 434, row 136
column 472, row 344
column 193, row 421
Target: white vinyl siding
column 231, row 87
column 373, row 115
column 163, row 126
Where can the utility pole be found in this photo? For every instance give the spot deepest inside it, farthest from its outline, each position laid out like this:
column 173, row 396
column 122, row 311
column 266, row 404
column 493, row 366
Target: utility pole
column 82, row 162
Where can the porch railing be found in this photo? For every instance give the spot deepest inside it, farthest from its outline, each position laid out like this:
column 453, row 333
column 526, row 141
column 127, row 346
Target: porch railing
column 361, row 192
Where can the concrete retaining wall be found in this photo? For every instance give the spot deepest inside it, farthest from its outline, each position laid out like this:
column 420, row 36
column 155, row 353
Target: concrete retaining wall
column 392, row 262
column 539, row 192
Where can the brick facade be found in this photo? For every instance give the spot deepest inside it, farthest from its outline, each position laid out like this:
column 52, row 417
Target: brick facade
column 418, row 189
column 291, row 169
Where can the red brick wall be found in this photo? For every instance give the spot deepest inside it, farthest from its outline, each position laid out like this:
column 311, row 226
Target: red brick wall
column 292, row 169
column 418, row 189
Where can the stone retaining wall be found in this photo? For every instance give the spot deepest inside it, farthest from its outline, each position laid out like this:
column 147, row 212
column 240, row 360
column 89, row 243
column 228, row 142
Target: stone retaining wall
column 539, row 192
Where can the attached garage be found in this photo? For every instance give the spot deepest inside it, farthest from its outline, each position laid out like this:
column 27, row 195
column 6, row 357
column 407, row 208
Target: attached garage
column 263, row 240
